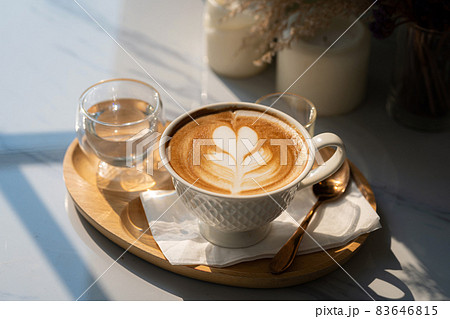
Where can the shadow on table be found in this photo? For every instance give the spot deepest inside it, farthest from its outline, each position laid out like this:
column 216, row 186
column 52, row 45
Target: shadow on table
column 250, row 89
column 371, row 266
column 367, row 266
column 21, row 196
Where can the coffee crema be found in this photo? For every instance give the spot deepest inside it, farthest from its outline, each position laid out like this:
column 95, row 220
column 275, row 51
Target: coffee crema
column 229, row 153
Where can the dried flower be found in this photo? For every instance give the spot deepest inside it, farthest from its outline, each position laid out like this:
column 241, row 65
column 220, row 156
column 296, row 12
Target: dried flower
column 280, row 22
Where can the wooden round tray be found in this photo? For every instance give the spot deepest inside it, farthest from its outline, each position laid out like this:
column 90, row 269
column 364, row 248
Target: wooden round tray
column 120, row 217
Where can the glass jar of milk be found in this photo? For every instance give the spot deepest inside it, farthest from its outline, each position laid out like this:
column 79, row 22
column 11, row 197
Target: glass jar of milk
column 226, row 53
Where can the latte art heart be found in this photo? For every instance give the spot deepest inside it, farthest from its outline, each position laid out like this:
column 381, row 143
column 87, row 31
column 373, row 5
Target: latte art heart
column 238, row 154
column 231, row 154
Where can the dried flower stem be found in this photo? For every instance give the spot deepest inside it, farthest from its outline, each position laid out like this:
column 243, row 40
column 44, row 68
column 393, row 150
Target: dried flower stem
column 281, row 22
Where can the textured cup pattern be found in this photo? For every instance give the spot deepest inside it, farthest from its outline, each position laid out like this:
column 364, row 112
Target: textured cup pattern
column 234, row 214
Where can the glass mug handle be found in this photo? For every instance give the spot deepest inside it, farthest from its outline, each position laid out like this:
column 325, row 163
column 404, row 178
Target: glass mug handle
column 331, row 165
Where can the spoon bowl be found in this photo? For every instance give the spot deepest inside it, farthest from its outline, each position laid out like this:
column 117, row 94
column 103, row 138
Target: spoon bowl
column 334, row 186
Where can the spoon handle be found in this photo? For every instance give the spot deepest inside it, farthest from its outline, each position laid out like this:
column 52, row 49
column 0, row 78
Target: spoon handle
column 285, row 256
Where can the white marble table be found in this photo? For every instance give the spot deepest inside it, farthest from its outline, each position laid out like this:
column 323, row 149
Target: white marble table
column 52, row 50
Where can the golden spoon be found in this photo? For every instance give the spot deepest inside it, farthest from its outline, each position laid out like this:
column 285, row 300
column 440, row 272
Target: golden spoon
column 329, row 189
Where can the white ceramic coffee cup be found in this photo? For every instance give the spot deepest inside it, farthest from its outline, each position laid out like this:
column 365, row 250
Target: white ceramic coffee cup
column 244, row 220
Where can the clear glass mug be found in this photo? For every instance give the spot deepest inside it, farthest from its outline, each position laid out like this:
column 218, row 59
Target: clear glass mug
column 294, row 105
column 117, row 121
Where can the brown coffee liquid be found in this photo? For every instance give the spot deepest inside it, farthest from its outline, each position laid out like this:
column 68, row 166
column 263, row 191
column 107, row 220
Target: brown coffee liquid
column 230, row 153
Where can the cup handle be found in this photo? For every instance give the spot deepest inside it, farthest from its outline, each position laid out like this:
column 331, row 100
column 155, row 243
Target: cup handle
column 331, row 165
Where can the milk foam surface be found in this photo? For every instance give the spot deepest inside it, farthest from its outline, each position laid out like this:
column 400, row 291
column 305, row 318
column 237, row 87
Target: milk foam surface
column 229, row 153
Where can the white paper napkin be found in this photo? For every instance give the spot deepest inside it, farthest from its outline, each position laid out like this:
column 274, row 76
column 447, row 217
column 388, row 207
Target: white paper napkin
column 175, row 228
